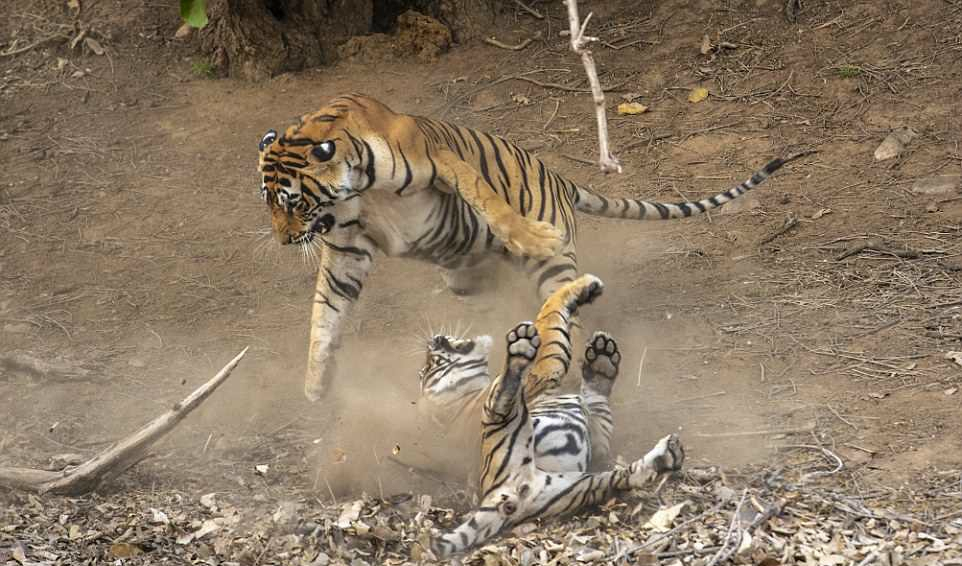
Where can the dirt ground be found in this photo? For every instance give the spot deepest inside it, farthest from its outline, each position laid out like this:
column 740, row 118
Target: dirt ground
column 135, row 259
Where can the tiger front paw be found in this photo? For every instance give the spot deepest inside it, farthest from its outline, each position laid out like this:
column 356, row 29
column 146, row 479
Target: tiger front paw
column 667, row 456
column 523, row 343
column 532, row 238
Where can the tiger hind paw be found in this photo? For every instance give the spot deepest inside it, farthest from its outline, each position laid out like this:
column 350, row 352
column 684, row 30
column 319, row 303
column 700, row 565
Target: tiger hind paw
column 601, row 362
column 523, row 343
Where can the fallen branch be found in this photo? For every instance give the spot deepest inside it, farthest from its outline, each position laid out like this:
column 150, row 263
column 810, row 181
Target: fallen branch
column 117, row 458
column 579, row 41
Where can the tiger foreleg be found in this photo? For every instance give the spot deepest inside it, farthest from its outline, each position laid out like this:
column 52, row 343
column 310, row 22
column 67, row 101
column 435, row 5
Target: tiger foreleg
column 667, row 456
column 481, row 526
column 502, row 397
column 346, row 260
column 522, row 236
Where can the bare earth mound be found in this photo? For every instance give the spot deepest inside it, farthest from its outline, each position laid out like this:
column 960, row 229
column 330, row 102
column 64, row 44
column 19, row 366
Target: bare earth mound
column 803, row 343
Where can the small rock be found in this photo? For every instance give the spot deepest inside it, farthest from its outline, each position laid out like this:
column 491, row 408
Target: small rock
column 894, row 143
column 951, row 391
column 184, row 32
column 937, row 185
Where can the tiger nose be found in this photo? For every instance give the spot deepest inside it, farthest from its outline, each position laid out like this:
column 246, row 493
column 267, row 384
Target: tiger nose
column 283, row 238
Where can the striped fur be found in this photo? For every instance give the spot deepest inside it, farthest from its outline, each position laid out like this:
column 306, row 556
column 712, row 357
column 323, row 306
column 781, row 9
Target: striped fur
column 537, row 446
column 572, row 431
column 518, row 482
column 434, row 191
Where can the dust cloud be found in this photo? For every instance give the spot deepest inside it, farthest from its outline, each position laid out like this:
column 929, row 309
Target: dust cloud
column 368, row 434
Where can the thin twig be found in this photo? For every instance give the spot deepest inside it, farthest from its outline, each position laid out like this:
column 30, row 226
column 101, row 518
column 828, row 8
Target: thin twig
column 839, row 465
column 33, row 45
column 730, row 544
column 641, row 365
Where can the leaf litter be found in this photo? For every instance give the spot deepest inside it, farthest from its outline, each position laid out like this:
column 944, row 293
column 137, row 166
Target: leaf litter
column 703, row 518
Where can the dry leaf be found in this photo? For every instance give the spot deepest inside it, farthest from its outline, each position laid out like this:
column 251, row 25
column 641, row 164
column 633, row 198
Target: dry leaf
column 396, row 450
column 158, row 517
column 94, row 46
column 125, row 550
column 663, row 518
column 631, row 108
column 520, row 99
column 350, row 513
column 821, row 213
column 209, row 526
column 74, row 5
column 697, row 94
column 261, row 469
column 184, row 31
column 18, row 553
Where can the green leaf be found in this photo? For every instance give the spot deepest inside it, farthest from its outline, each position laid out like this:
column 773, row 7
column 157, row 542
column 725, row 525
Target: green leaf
column 194, row 12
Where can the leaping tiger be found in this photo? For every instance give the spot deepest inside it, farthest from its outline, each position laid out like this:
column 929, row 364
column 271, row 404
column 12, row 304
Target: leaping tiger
column 432, row 190
column 536, row 445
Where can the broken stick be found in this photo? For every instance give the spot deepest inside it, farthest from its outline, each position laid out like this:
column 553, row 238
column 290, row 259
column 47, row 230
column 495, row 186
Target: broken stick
column 117, row 458
column 579, row 42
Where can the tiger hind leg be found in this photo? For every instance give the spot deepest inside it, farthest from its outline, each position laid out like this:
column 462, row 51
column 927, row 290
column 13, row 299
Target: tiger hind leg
column 599, row 370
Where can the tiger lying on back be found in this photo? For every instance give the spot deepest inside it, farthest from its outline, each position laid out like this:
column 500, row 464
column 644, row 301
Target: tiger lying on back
column 455, row 380
column 433, row 191
column 537, row 445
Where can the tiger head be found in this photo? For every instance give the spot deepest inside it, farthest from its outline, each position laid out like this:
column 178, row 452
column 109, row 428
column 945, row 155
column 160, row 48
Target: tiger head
column 314, row 165
column 454, row 368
